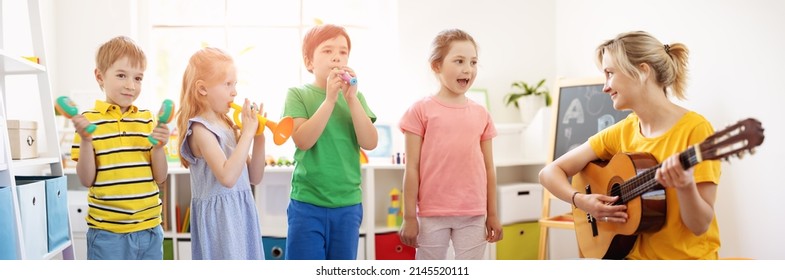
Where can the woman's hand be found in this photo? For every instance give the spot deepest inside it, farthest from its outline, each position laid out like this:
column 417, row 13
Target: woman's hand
column 672, row 175
column 601, row 207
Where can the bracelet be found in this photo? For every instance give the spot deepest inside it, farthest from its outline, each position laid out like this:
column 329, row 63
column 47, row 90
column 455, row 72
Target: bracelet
column 573, row 199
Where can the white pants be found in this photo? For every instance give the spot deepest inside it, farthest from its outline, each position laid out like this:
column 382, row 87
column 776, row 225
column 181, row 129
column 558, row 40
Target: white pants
column 466, row 232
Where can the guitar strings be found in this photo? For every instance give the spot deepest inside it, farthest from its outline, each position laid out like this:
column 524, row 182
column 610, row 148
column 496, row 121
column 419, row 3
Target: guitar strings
column 643, row 182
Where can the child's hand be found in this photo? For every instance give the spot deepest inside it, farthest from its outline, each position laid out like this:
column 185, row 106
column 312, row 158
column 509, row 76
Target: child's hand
column 161, row 133
column 349, row 91
column 250, row 120
column 410, row 228
column 264, row 114
column 493, row 229
column 80, row 124
column 334, row 84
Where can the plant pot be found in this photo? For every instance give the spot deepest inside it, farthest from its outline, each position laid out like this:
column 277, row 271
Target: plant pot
column 529, row 105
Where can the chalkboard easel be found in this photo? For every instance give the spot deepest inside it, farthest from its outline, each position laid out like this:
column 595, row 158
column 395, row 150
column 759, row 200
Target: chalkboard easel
column 582, row 110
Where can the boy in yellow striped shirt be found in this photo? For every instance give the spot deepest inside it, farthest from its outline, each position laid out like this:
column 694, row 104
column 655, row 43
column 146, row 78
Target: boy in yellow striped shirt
column 118, row 163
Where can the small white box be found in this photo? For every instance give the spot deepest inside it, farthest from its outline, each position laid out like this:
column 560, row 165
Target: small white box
column 23, row 139
column 508, row 143
column 184, row 250
column 272, row 200
column 361, row 248
column 77, row 210
column 519, row 203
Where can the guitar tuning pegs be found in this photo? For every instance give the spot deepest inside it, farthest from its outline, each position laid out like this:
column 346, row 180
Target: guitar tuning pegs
column 740, row 155
column 752, row 151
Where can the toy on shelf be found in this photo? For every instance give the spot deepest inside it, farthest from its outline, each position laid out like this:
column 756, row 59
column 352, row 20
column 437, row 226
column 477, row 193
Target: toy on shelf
column 281, row 130
column 284, row 161
column 269, row 160
column 165, row 115
column 399, row 158
column 394, row 213
column 66, row 107
column 172, row 151
column 33, row 59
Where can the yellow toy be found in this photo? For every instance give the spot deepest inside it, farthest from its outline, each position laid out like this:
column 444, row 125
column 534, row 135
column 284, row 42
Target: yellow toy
column 363, row 157
column 281, row 131
column 394, row 214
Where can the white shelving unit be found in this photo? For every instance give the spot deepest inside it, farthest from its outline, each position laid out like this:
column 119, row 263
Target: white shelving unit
column 48, row 162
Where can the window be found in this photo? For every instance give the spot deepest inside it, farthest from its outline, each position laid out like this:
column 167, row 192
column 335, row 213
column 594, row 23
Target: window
column 266, row 44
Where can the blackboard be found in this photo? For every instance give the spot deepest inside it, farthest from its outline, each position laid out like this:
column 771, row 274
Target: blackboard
column 582, row 110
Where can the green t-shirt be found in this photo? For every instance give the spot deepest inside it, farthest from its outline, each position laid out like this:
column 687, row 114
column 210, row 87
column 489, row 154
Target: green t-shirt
column 327, row 174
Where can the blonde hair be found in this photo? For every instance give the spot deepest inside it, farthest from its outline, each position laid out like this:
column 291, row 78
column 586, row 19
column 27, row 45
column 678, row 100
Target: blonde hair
column 441, row 44
column 116, row 48
column 205, row 65
column 668, row 62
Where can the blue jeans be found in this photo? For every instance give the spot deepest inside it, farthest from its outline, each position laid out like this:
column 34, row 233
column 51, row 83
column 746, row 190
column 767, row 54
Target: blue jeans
column 320, row 233
column 145, row 244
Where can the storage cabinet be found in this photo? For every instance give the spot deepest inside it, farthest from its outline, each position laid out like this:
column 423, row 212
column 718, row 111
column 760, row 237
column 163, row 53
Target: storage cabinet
column 32, row 229
column 519, row 243
column 274, row 248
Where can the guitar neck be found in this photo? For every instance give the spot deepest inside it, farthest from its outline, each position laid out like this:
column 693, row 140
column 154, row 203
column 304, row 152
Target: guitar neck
column 644, row 181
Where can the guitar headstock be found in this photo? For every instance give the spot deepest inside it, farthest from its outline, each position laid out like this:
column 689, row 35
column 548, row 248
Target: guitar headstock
column 736, row 139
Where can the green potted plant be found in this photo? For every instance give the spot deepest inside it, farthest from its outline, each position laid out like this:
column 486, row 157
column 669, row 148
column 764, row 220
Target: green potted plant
column 525, row 89
column 528, row 98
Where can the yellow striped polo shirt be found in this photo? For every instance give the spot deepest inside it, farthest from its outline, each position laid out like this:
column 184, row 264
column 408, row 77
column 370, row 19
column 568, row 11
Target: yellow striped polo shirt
column 124, row 197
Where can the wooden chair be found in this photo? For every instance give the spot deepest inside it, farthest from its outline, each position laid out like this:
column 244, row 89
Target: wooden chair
column 563, row 221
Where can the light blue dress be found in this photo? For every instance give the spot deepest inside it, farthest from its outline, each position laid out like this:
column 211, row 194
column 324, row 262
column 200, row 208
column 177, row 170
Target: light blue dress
column 224, row 221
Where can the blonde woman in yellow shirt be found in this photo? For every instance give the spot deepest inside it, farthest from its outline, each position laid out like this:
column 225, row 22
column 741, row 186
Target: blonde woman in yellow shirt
column 642, row 74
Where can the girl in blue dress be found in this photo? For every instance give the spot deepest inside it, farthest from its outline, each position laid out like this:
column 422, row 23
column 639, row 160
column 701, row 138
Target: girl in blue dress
column 224, row 219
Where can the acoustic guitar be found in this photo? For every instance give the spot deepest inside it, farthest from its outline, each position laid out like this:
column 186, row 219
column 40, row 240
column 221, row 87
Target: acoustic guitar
column 631, row 177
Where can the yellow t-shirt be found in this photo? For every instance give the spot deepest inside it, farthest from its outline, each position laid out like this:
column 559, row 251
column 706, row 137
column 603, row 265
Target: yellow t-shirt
column 674, row 241
column 124, row 197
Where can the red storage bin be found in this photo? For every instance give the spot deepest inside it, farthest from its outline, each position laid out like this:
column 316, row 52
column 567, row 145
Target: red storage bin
column 389, row 247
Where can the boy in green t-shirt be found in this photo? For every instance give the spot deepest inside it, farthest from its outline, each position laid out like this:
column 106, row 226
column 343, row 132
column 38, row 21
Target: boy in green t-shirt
column 331, row 123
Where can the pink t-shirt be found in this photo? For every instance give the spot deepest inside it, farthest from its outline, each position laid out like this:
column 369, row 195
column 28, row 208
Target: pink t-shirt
column 453, row 181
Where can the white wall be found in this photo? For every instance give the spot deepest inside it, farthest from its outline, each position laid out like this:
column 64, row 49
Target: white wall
column 736, row 66
column 736, row 72
column 82, row 26
column 515, row 42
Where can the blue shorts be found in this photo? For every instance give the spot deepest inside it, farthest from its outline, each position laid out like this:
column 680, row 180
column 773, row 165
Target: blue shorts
column 145, row 244
column 320, row 233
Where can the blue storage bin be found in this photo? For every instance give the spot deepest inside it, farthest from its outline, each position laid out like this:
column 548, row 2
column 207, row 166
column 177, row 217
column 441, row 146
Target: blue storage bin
column 57, row 225
column 274, row 248
column 8, row 239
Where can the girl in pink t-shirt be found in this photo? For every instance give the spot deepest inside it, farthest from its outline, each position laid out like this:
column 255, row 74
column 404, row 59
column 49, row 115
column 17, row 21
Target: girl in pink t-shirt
column 449, row 191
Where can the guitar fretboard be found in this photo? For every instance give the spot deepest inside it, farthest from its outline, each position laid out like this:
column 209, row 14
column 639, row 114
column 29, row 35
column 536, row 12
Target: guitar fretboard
column 644, row 181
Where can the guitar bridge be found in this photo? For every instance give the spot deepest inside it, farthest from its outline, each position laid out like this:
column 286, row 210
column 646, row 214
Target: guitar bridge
column 590, row 218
